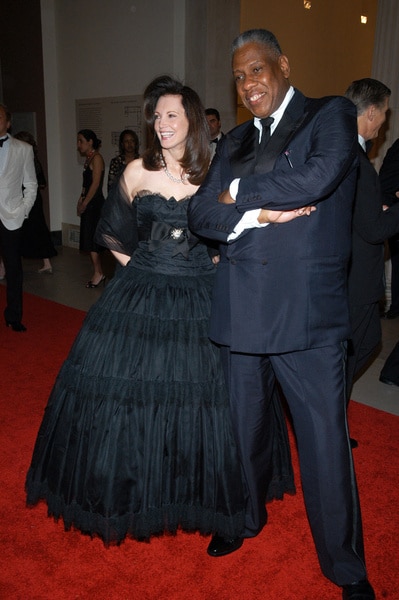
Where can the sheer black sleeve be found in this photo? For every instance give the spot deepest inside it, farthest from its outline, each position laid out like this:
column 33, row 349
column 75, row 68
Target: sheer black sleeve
column 117, row 228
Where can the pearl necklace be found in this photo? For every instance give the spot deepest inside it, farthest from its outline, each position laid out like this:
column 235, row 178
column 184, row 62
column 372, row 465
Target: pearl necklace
column 168, row 174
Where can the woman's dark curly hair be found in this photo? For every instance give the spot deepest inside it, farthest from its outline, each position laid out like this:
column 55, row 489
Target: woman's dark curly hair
column 195, row 160
column 89, row 134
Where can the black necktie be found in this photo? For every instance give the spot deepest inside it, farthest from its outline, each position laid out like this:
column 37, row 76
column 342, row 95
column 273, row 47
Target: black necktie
column 2, row 141
column 265, row 133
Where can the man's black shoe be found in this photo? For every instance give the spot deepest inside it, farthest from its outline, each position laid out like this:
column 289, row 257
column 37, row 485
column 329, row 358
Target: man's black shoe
column 16, row 325
column 392, row 314
column 361, row 590
column 220, row 547
column 387, row 381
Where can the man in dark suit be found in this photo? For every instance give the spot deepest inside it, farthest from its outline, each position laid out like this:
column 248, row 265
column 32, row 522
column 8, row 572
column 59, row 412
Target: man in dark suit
column 371, row 226
column 215, row 128
column 389, row 178
column 280, row 299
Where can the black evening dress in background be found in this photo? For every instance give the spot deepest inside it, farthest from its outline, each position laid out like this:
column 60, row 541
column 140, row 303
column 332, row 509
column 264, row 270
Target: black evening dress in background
column 136, row 438
column 90, row 217
column 116, row 168
column 36, row 238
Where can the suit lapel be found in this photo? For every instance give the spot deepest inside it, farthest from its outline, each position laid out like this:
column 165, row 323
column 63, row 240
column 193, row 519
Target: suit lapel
column 242, row 151
column 274, row 148
column 292, row 119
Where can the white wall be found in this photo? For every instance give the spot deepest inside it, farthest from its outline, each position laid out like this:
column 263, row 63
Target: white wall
column 102, row 48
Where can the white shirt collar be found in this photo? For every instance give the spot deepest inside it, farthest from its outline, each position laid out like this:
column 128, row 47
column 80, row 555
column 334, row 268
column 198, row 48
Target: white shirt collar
column 362, row 141
column 277, row 113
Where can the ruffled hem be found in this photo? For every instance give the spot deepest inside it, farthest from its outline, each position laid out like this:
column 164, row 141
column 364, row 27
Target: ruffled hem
column 138, row 526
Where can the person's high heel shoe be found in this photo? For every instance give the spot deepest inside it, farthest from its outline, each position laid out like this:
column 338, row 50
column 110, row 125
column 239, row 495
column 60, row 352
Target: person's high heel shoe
column 46, row 270
column 91, row 285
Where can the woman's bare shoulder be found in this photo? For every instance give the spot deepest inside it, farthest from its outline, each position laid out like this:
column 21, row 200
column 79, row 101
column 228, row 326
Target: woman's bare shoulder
column 98, row 159
column 133, row 176
column 135, row 164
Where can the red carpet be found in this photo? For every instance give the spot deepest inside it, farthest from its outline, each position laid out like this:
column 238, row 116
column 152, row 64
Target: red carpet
column 39, row 561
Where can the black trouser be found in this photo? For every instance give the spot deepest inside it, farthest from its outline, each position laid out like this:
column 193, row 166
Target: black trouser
column 313, row 383
column 365, row 339
column 394, row 251
column 10, row 242
column 390, row 370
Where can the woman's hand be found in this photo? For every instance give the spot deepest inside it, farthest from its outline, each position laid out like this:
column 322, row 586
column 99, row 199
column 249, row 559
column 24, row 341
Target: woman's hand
column 81, row 206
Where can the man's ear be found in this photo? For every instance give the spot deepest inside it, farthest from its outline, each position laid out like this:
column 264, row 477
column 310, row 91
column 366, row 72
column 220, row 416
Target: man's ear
column 284, row 65
column 371, row 112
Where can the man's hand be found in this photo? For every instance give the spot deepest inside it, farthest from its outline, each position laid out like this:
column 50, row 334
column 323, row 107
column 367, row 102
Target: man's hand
column 225, row 198
column 284, row 216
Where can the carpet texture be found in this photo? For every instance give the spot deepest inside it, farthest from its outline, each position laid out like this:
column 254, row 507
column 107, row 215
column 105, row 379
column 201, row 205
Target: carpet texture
column 40, row 561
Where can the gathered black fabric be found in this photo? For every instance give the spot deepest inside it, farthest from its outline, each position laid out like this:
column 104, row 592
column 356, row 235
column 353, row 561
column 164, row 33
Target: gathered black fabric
column 136, row 439
column 117, row 229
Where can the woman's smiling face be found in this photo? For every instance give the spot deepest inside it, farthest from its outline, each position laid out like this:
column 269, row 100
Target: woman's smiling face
column 171, row 123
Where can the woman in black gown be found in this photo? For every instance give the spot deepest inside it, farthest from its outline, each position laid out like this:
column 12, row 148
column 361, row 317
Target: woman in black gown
column 136, row 438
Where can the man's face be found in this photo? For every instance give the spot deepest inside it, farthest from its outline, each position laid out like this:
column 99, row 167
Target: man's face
column 261, row 79
column 214, row 126
column 4, row 123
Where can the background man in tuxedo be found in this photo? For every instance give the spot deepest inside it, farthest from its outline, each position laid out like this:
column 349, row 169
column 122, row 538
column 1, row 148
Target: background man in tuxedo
column 215, row 127
column 280, row 299
column 371, row 226
column 18, row 188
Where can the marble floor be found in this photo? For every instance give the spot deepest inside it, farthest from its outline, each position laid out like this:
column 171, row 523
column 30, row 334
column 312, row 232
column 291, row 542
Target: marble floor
column 71, row 270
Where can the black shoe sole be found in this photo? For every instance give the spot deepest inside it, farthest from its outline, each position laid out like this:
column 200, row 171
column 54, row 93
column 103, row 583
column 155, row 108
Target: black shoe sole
column 225, row 547
column 388, row 381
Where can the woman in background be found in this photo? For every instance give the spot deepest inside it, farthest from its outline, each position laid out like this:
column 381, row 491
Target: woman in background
column 36, row 238
column 91, row 201
column 128, row 151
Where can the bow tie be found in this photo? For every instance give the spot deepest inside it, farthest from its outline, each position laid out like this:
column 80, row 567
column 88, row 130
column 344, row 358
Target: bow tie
column 2, row 141
column 215, row 141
